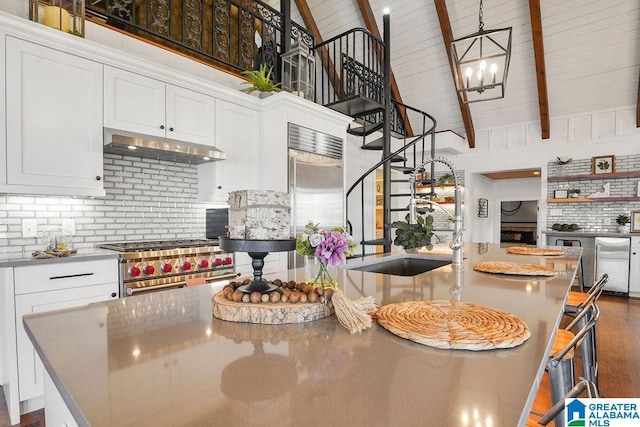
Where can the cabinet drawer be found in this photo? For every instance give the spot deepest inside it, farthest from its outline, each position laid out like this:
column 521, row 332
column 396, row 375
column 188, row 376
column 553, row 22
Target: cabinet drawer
column 65, row 275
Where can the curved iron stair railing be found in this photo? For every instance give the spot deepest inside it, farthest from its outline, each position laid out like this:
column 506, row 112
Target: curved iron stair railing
column 417, row 158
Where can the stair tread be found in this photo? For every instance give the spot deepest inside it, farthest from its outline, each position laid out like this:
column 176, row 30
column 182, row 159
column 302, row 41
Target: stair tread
column 366, row 129
column 403, row 169
column 398, row 159
column 374, row 145
column 379, row 242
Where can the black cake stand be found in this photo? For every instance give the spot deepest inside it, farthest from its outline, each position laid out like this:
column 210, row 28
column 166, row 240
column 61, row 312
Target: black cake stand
column 257, row 250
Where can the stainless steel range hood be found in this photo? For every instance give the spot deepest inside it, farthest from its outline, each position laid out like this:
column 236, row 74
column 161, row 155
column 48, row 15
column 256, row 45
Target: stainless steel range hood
column 128, row 144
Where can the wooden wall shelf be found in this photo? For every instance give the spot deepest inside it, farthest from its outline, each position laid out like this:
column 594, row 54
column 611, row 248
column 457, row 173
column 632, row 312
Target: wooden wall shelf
column 630, row 174
column 595, row 199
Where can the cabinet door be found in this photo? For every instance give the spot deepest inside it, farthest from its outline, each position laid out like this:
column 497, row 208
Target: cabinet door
column 189, row 116
column 238, row 135
column 54, row 121
column 30, row 370
column 133, row 103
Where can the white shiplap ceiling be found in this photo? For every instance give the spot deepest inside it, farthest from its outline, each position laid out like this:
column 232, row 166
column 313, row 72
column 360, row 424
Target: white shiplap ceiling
column 591, row 48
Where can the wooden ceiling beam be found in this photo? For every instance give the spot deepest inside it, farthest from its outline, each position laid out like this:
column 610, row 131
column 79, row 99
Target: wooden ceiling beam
column 447, row 36
column 311, row 25
column 541, row 73
column 372, row 26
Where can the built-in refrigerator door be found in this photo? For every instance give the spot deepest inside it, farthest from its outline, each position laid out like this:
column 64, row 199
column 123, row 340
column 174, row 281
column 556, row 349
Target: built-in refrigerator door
column 317, row 194
column 612, row 258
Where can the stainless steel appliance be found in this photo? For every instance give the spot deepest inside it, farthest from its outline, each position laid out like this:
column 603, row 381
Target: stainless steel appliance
column 316, row 182
column 612, row 257
column 156, row 265
column 160, row 148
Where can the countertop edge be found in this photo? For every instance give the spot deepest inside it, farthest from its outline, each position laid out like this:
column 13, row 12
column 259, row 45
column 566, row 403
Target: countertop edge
column 589, row 234
column 81, row 255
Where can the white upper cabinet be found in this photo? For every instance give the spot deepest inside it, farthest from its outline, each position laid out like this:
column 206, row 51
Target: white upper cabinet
column 134, row 103
column 146, row 106
column 238, row 135
column 54, row 136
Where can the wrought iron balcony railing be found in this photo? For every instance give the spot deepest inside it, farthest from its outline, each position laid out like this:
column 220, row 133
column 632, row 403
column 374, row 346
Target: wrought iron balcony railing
column 236, row 35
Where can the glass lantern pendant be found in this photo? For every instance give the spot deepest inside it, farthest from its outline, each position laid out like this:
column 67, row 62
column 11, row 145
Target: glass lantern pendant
column 64, row 15
column 481, row 63
column 298, row 70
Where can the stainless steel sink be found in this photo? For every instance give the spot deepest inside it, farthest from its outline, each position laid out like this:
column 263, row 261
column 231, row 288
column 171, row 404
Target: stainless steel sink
column 402, row 266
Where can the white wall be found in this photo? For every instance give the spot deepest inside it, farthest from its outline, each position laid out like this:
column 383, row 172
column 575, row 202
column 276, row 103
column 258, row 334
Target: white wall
column 520, row 147
column 16, row 7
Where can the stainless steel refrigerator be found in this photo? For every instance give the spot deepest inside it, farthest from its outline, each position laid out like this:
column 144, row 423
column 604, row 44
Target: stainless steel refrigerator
column 316, row 182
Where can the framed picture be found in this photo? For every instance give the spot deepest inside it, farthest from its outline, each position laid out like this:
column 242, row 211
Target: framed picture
column 635, row 221
column 560, row 194
column 603, row 164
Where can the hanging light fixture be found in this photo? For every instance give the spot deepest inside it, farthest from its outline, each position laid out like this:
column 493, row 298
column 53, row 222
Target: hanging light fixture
column 481, row 63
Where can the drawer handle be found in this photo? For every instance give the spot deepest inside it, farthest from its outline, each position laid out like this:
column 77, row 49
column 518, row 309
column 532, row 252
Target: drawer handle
column 70, row 275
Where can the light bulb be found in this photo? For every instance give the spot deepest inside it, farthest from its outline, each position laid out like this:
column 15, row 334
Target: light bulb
column 385, row 11
column 483, row 65
column 494, row 68
column 479, row 75
column 468, row 72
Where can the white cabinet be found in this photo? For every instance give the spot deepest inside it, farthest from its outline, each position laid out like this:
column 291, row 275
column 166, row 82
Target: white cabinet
column 146, row 106
column 274, row 262
column 634, row 267
column 44, row 287
column 30, row 369
column 238, row 135
column 54, row 122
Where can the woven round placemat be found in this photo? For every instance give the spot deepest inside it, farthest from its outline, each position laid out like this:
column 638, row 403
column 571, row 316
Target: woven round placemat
column 447, row 325
column 502, row 267
column 528, row 250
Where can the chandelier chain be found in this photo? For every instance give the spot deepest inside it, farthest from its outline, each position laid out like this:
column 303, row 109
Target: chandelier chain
column 481, row 25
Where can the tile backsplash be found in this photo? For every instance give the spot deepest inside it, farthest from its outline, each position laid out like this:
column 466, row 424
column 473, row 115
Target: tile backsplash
column 594, row 216
column 145, row 199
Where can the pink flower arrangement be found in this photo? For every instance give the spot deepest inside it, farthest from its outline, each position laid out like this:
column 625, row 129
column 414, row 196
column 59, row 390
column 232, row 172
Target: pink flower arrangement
column 330, row 247
column 333, row 248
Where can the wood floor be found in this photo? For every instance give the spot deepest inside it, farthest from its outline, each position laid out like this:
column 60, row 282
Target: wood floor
column 618, row 358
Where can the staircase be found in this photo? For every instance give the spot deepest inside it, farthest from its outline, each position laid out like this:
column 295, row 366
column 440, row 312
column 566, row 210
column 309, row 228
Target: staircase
column 356, row 83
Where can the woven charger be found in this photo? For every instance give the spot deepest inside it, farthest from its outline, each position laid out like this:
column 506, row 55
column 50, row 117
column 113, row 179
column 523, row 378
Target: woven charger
column 528, row 250
column 459, row 325
column 502, row 267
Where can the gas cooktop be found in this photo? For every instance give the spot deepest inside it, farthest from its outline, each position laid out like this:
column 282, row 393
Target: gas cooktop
column 157, row 245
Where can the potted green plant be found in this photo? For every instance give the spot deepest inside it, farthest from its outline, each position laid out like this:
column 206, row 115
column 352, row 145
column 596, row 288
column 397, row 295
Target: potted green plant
column 574, row 192
column 260, row 81
column 412, row 236
column 622, row 220
column 445, row 179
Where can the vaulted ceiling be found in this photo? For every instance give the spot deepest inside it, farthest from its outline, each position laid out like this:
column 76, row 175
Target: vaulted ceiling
column 590, row 63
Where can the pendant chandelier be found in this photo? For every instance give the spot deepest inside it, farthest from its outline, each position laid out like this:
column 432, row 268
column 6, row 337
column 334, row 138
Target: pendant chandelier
column 481, row 63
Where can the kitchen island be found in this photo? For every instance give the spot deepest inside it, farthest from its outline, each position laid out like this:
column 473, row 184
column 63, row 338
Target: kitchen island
column 161, row 359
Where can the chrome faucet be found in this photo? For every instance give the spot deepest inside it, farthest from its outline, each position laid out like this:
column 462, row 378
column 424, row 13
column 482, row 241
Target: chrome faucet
column 456, row 242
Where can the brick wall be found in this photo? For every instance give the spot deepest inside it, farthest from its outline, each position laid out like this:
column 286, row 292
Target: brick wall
column 146, row 200
column 593, row 216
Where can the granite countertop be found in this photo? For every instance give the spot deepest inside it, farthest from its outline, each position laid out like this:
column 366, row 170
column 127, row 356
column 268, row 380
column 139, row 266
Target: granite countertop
column 82, row 254
column 161, row 359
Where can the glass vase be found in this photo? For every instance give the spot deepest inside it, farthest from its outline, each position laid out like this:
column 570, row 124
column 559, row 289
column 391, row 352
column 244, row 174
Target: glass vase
column 311, row 268
column 323, row 278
